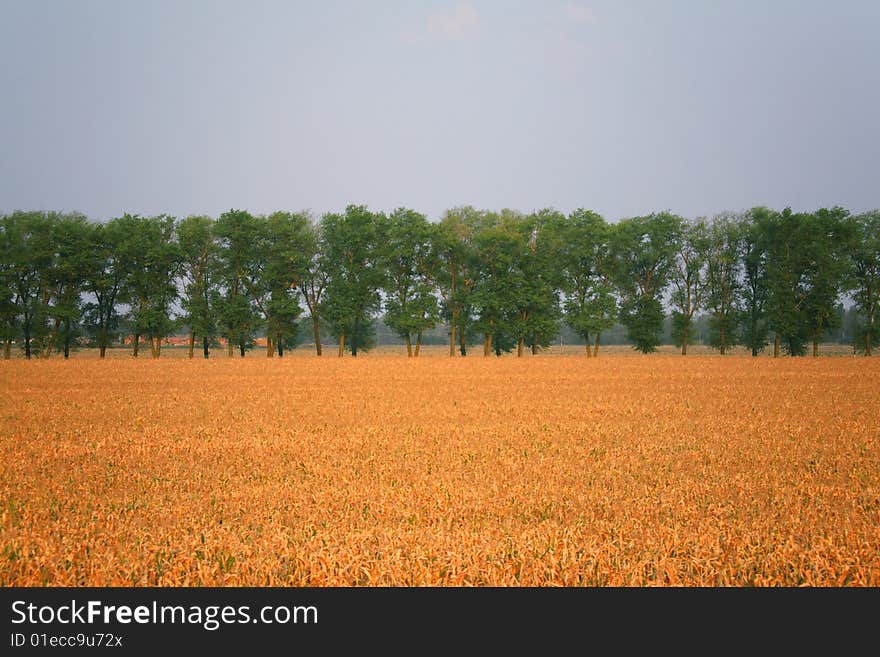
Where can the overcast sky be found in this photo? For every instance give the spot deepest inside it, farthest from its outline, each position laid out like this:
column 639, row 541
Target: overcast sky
column 621, row 107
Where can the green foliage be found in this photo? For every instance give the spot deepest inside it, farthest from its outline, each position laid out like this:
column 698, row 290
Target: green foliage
column 723, row 286
column 314, row 278
column 643, row 318
column 504, row 275
column 149, row 252
column 238, row 234
column 807, row 265
column 453, row 247
column 283, row 261
column 864, row 281
column 199, row 263
column 104, row 280
column 410, row 264
column 27, row 238
column 42, row 279
column 830, row 266
column 67, row 278
column 688, row 276
column 536, row 279
column 498, row 247
column 584, row 264
column 352, row 259
column 754, row 293
column 643, row 251
column 8, row 276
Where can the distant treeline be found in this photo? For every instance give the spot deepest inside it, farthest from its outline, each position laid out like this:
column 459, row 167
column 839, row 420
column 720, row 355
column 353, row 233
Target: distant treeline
column 506, row 280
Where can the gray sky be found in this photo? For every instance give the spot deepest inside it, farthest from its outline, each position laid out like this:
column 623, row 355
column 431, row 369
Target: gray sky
column 622, row 107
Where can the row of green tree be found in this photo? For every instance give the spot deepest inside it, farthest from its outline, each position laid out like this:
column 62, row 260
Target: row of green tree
column 506, row 278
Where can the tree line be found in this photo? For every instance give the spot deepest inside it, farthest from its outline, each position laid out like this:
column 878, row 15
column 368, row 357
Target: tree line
column 508, row 279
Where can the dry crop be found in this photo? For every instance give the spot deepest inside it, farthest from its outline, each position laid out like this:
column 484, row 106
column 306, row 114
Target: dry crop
column 382, row 470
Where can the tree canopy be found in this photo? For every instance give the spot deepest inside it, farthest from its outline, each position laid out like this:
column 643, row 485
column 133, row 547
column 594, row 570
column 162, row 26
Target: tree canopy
column 513, row 281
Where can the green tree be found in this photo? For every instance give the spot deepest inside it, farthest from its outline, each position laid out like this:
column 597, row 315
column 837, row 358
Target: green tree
column 410, row 265
column 643, row 253
column 352, row 245
column 314, row 278
column 152, row 258
column 45, row 268
column 238, row 234
column 29, row 247
column 455, row 251
column 198, row 249
column 788, row 263
column 584, row 260
column 66, row 280
column 723, row 280
column 806, row 268
column 754, row 322
column 499, row 246
column 830, row 263
column 283, row 264
column 537, row 280
column 8, row 276
column 688, row 276
column 105, row 277
column 865, row 279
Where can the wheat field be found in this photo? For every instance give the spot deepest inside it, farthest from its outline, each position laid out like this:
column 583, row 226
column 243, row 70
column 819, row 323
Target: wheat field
column 657, row 470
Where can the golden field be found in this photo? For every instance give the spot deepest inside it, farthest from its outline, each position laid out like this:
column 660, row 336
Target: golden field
column 657, row 470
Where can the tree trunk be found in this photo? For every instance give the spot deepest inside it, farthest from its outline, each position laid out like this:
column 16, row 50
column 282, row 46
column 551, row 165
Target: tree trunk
column 103, row 350
column 136, row 346
column 487, row 344
column 815, row 347
column 66, row 338
column 596, row 348
column 279, row 342
column 754, row 344
column 205, row 346
column 588, row 345
column 775, row 344
column 270, row 346
column 409, row 351
column 723, row 339
column 7, row 349
column 316, row 331
column 462, row 343
column 27, row 342
column 355, row 337
column 418, row 344
column 230, row 346
column 520, row 347
column 341, row 344
column 534, row 346
column 452, row 336
column 192, row 342
column 684, row 342
column 47, row 351
column 241, row 349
